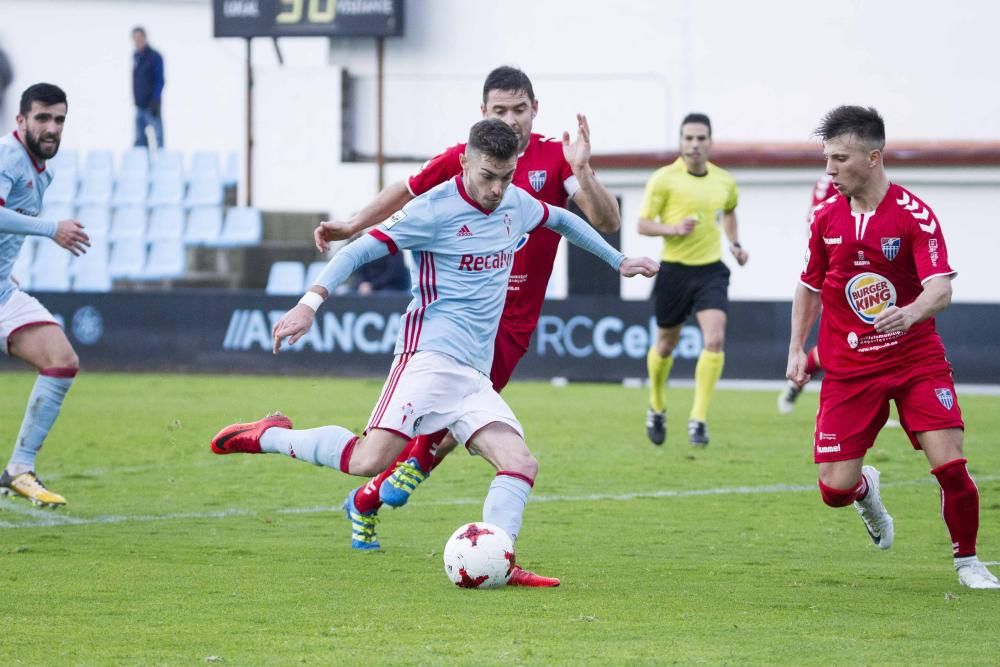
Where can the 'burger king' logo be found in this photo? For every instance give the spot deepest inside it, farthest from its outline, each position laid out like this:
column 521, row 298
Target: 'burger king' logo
column 869, row 294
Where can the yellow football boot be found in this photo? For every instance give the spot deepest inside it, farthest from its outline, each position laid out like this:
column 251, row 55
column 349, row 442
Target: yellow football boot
column 29, row 486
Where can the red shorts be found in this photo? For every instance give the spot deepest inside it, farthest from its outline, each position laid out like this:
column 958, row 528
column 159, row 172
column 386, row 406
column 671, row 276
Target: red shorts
column 508, row 350
column 852, row 411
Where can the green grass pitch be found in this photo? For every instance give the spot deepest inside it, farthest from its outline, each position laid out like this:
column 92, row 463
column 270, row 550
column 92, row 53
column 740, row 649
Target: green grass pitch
column 168, row 555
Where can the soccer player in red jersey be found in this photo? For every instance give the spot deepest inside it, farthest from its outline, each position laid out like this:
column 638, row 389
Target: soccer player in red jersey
column 822, row 191
column 878, row 267
column 554, row 172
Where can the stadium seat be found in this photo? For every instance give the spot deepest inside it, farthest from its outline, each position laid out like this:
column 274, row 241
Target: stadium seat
column 166, row 222
column 131, row 190
column 90, row 271
column 311, row 273
column 166, row 259
column 50, row 270
column 66, row 158
column 285, row 278
column 128, row 257
column 62, row 189
column 96, row 187
column 57, row 211
column 204, row 190
column 22, row 266
column 242, row 227
column 128, row 222
column 167, row 189
column 204, row 225
column 96, row 220
column 99, row 160
column 231, row 174
column 168, row 163
column 205, row 163
column 135, row 164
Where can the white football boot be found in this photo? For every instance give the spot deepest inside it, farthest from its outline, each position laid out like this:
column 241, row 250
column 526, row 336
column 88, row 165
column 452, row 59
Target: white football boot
column 873, row 512
column 972, row 573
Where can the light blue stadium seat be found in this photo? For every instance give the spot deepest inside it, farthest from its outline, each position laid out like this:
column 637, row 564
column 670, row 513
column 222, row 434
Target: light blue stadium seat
column 90, row 271
column 242, row 227
column 204, row 189
column 312, row 271
column 66, row 158
column 96, row 220
column 99, row 160
column 166, row 222
column 286, row 278
column 50, row 270
column 205, row 163
column 128, row 258
column 96, row 187
column 167, row 189
column 204, row 225
column 135, row 163
column 130, row 190
column 58, row 211
column 128, row 222
column 231, row 173
column 166, row 259
column 167, row 162
column 62, row 189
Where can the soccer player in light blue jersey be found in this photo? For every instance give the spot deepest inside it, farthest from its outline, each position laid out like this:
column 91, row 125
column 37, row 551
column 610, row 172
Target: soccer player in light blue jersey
column 24, row 322
column 463, row 234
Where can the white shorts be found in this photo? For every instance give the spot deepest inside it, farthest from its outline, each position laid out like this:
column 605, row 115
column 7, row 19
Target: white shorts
column 21, row 310
column 428, row 391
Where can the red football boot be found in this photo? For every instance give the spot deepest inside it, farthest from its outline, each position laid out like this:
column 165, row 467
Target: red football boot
column 245, row 438
column 521, row 577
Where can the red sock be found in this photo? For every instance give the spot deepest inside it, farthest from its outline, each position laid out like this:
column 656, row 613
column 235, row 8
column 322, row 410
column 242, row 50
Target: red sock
column 812, row 361
column 422, row 448
column 843, row 497
column 959, row 506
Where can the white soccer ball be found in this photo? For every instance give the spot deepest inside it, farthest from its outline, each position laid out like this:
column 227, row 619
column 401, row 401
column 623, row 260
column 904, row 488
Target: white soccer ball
column 479, row 555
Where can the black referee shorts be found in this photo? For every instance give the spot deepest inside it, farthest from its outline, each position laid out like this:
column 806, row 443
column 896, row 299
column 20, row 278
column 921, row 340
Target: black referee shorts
column 681, row 289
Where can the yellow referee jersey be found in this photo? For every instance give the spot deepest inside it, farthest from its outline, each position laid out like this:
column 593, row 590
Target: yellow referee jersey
column 673, row 194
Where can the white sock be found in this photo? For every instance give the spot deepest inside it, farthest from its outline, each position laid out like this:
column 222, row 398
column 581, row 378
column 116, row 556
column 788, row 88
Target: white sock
column 320, row 446
column 505, row 501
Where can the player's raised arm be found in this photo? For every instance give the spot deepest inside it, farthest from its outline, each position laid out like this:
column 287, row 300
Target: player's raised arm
column 599, row 205
column 580, row 234
column 387, row 202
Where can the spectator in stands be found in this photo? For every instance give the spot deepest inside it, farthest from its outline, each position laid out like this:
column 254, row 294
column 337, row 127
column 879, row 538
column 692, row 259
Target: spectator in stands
column 6, row 76
column 147, row 88
column 388, row 275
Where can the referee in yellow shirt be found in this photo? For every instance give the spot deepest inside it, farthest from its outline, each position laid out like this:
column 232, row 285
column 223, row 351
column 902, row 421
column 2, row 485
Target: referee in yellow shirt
column 687, row 203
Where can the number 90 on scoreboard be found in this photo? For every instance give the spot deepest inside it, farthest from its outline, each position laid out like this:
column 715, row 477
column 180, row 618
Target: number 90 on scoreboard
column 308, row 18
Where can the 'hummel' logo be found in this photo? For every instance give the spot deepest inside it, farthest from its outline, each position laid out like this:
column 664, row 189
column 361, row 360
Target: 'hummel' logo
column 464, row 231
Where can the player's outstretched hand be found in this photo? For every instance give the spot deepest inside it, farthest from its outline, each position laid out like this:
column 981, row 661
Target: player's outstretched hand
column 638, row 266
column 331, row 230
column 796, row 371
column 293, row 325
column 70, row 235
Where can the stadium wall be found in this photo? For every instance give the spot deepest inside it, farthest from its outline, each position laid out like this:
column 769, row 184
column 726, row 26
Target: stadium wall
column 635, row 68
column 587, row 338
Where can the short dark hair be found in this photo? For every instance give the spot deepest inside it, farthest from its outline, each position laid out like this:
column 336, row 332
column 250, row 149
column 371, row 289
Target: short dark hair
column 495, row 138
column 865, row 123
column 46, row 93
column 139, row 29
column 698, row 118
column 509, row 79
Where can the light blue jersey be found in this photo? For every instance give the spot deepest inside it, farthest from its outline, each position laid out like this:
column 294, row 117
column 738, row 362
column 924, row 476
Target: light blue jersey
column 463, row 258
column 22, row 185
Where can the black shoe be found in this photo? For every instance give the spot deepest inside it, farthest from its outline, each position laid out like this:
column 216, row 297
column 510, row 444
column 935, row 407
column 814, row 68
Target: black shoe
column 697, row 433
column 787, row 398
column 656, row 426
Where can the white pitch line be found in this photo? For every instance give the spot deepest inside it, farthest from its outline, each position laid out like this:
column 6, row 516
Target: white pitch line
column 49, row 519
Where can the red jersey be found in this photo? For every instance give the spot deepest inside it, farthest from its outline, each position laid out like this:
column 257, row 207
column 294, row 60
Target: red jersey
column 542, row 170
column 863, row 263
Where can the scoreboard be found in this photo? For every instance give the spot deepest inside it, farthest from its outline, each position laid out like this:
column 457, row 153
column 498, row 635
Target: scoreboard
column 308, row 18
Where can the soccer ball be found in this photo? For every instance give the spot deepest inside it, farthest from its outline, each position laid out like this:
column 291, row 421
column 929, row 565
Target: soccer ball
column 479, row 555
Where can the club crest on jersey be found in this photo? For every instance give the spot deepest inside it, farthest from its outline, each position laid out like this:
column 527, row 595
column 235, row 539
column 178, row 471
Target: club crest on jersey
column 869, row 294
column 537, row 179
column 506, row 222
column 393, row 219
column 890, row 247
column 946, row 398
